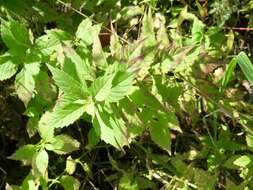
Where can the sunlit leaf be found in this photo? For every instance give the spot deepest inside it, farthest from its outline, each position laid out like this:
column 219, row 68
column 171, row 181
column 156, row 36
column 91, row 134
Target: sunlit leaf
column 69, row 183
column 109, row 128
column 101, row 87
column 15, row 36
column 8, row 67
column 62, row 144
column 246, row 66
column 41, row 162
column 25, row 152
column 25, row 82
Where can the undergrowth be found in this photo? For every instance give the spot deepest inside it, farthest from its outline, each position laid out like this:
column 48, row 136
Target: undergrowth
column 126, row 95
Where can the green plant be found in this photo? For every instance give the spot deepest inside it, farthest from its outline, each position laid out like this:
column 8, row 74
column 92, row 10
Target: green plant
column 163, row 102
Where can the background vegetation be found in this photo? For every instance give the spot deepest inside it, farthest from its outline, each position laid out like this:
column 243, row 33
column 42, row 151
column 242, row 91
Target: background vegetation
column 126, row 94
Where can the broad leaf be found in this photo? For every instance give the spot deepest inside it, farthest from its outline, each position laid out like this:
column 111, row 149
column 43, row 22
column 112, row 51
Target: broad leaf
column 93, row 138
column 8, row 67
column 81, row 66
column 25, row 82
column 41, row 162
column 69, row 183
column 46, row 131
column 121, row 86
column 51, row 41
column 70, row 165
column 100, row 88
column 29, row 183
column 15, row 36
column 110, row 129
column 86, row 32
column 244, row 161
column 65, row 114
column 25, row 152
column 160, row 134
column 67, row 83
column 63, row 144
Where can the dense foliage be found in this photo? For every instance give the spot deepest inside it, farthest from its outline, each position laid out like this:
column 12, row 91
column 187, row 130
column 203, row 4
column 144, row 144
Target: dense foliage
column 126, row 94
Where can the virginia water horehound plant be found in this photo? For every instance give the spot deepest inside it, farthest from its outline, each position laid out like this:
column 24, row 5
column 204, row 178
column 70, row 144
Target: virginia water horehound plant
column 145, row 96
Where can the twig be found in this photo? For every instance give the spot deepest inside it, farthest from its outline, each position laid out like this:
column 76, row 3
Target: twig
column 239, row 28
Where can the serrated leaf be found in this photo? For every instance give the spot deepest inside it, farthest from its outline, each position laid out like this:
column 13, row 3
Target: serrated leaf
column 109, row 128
column 69, row 182
column 246, row 66
column 8, row 67
column 121, row 86
column 63, row 144
column 65, row 114
column 25, row 82
column 51, row 41
column 81, row 66
column 67, row 83
column 15, row 36
column 41, row 162
column 100, row 88
column 87, row 32
column 25, row 152
column 147, row 30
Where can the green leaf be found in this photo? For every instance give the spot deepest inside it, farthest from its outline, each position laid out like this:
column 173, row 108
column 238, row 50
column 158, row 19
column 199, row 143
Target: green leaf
column 7, row 67
column 98, row 55
column 228, row 73
column 160, row 134
column 46, row 131
column 100, row 88
column 147, row 30
column 86, row 32
column 65, row 114
column 128, row 182
column 109, row 128
column 93, row 138
column 244, row 161
column 25, row 152
column 246, row 66
column 51, row 41
column 67, row 83
column 81, row 66
column 62, row 144
column 70, row 165
column 41, row 162
column 29, row 183
column 249, row 140
column 25, row 82
column 69, row 183
column 121, row 86
column 15, row 36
